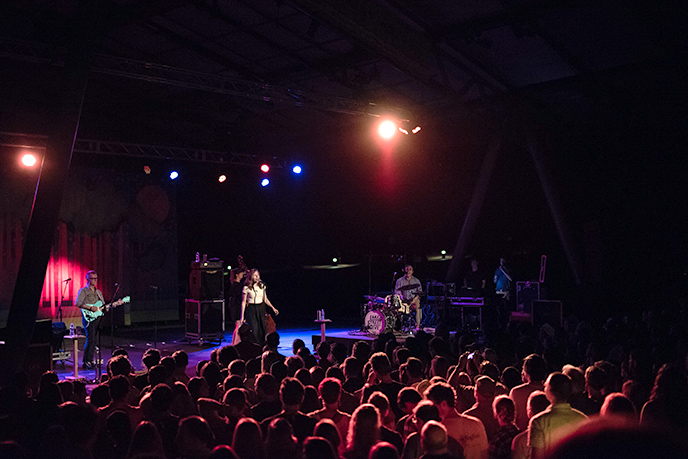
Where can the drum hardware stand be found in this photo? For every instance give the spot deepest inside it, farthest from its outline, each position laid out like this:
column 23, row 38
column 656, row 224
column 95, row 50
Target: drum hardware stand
column 155, row 315
column 112, row 323
column 363, row 313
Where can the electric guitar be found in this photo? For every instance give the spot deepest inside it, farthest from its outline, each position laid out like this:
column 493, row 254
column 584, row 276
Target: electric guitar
column 90, row 316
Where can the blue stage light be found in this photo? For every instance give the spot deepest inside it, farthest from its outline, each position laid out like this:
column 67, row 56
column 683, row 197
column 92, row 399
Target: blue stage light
column 296, row 169
column 265, row 182
column 174, row 175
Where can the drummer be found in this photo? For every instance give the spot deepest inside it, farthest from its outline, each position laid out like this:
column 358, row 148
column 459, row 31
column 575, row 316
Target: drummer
column 409, row 289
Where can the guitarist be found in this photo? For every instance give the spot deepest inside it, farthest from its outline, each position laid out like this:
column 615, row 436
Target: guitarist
column 88, row 296
column 409, row 289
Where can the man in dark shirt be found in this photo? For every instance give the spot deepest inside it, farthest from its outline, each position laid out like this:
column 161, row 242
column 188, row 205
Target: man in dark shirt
column 380, row 379
column 474, row 279
column 247, row 348
column 267, row 389
column 291, row 394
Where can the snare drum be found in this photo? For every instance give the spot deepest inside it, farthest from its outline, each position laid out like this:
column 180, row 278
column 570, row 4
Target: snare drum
column 377, row 323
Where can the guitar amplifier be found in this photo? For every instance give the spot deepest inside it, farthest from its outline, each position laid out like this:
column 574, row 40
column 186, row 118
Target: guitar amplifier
column 206, row 281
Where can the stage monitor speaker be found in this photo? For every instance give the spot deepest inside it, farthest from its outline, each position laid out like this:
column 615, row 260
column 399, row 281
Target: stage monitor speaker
column 38, row 360
column 206, row 284
column 547, row 312
column 42, row 331
column 204, row 317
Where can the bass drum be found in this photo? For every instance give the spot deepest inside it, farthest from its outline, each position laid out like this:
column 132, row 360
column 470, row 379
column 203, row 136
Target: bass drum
column 377, row 323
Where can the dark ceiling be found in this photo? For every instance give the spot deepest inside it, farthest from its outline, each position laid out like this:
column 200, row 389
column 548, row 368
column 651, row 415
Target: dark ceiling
column 221, row 73
column 300, row 77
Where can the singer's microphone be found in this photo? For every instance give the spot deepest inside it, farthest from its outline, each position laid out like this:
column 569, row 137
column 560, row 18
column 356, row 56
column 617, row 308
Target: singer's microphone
column 67, row 280
column 116, row 284
column 261, row 284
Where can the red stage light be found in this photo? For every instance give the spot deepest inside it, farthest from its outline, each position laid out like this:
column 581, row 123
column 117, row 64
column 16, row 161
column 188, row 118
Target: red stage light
column 387, row 129
column 222, row 178
column 147, row 170
column 29, row 160
column 265, row 168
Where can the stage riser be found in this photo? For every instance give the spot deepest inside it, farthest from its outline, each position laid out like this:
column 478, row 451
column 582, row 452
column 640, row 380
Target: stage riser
column 349, row 341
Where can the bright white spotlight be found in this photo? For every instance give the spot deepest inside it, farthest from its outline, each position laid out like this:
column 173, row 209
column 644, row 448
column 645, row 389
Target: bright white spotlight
column 29, row 160
column 416, row 129
column 387, row 129
column 222, row 178
column 335, row 260
column 174, row 175
column 296, row 169
column 265, row 168
column 265, row 182
column 403, row 131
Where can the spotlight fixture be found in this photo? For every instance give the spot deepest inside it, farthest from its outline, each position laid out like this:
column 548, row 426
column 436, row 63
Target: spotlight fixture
column 29, row 160
column 335, row 260
column 265, row 168
column 296, row 169
column 265, row 182
column 174, row 175
column 146, row 170
column 403, row 131
column 387, row 129
column 416, row 129
column 222, row 178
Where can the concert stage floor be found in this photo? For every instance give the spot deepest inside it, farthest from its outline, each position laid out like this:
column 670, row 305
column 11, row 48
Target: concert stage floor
column 171, row 338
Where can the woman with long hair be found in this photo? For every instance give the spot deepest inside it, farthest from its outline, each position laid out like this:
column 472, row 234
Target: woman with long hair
column 254, row 301
column 364, row 432
column 327, row 429
column 318, row 448
column 280, row 442
column 146, row 442
column 668, row 404
column 248, row 440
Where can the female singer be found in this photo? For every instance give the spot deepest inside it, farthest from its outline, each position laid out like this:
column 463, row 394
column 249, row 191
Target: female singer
column 253, row 302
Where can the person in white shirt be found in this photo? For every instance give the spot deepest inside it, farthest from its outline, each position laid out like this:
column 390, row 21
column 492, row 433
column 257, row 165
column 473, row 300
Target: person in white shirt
column 254, row 301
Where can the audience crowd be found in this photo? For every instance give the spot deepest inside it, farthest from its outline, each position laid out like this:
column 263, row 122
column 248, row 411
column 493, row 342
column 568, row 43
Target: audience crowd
column 573, row 391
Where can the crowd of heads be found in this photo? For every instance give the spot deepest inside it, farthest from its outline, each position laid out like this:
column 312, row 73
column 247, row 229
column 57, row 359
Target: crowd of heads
column 442, row 395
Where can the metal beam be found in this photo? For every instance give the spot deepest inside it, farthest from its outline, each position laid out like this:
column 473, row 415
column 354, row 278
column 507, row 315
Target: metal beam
column 475, row 205
column 188, row 79
column 104, row 147
column 49, row 189
column 555, row 208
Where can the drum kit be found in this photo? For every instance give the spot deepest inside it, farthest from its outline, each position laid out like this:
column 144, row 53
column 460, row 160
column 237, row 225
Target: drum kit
column 385, row 315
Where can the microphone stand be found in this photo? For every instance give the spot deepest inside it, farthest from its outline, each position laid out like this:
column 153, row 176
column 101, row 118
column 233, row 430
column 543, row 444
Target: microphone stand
column 99, row 369
column 59, row 307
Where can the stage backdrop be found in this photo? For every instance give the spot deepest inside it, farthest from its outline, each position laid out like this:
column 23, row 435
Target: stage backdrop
column 122, row 224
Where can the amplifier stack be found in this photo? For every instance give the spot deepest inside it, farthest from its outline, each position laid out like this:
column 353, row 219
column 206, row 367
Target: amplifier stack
column 204, row 310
